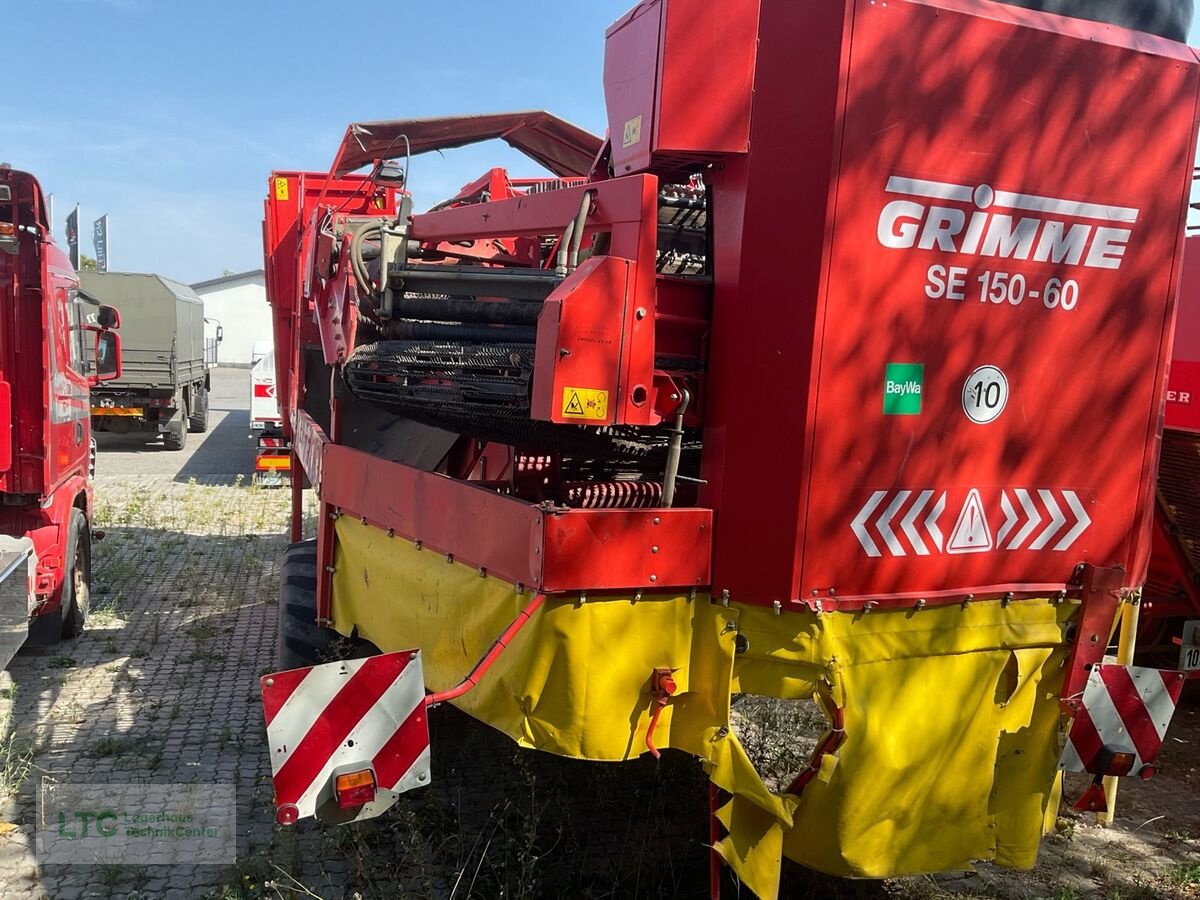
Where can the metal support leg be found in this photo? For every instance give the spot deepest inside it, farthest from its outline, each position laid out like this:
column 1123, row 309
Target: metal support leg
column 1125, row 648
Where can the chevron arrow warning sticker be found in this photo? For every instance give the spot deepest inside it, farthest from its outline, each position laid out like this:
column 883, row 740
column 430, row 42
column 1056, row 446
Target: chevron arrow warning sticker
column 971, row 533
column 905, row 522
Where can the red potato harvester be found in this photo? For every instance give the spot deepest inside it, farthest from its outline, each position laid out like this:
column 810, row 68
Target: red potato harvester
column 835, row 371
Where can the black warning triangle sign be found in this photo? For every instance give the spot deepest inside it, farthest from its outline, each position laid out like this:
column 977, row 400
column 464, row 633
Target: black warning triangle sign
column 573, row 407
column 971, row 533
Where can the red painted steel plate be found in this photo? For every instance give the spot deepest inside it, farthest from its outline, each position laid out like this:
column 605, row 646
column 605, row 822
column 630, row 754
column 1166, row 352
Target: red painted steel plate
column 477, row 526
column 999, row 294
column 613, row 549
column 568, row 550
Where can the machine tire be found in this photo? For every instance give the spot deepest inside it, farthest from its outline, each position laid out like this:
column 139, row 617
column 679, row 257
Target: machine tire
column 175, row 437
column 302, row 642
column 198, row 420
column 77, row 580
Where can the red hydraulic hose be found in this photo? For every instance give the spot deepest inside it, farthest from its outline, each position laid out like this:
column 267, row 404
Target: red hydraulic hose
column 498, row 647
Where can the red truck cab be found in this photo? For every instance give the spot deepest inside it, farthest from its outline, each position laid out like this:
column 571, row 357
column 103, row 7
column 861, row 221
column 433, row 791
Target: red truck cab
column 54, row 345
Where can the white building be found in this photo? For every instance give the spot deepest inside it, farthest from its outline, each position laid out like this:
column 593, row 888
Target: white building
column 238, row 303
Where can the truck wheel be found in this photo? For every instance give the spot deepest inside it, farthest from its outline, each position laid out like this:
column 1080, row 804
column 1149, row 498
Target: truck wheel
column 302, row 642
column 198, row 420
column 175, row 437
column 77, row 580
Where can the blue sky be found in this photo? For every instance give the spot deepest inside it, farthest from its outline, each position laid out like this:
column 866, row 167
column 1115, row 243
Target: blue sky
column 169, row 115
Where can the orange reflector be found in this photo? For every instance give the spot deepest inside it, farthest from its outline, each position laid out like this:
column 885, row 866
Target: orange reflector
column 8, row 230
column 354, row 788
column 1121, row 763
column 271, row 463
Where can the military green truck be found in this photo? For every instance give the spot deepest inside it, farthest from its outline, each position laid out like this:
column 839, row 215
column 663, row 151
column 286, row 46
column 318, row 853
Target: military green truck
column 164, row 383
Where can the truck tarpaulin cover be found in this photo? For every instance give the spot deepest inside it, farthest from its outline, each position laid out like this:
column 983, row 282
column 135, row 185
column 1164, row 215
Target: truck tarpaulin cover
column 563, row 148
column 901, row 795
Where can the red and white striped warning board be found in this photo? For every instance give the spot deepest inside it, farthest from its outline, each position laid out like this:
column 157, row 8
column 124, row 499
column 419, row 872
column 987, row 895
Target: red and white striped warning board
column 1126, row 708
column 327, row 719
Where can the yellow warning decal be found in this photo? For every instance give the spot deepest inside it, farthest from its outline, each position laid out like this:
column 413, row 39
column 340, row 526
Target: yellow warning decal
column 281, row 189
column 584, row 403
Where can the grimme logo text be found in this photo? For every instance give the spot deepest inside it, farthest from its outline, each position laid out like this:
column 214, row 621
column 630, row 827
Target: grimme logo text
column 1032, row 227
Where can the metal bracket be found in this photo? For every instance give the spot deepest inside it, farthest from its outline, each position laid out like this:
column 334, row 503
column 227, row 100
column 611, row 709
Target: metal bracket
column 393, row 253
column 1100, row 592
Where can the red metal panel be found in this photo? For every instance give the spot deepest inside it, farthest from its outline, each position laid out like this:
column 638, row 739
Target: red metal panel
column 1183, row 388
column 978, row 225
column 479, row 527
column 676, row 79
column 623, row 549
column 631, row 54
column 987, row 149
column 580, row 333
column 563, row 550
column 762, row 348
column 706, row 75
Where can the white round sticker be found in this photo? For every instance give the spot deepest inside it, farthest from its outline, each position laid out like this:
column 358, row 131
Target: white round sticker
column 985, row 395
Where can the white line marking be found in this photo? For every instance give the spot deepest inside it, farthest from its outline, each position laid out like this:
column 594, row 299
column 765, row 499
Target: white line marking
column 1075, row 208
column 1057, row 521
column 1034, row 518
column 884, row 524
column 909, row 521
column 859, row 525
column 1080, row 527
column 932, row 519
column 1156, row 699
column 305, row 705
column 935, row 190
column 1010, row 518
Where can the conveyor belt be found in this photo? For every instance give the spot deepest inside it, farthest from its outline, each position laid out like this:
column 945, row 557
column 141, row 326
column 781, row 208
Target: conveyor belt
column 1179, row 490
column 482, row 390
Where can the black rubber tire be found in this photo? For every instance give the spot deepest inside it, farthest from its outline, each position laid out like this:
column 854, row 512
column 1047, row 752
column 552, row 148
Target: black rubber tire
column 302, row 642
column 77, row 580
column 198, row 420
column 175, row 437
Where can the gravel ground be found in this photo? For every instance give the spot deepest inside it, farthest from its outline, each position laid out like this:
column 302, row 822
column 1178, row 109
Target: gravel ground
column 163, row 689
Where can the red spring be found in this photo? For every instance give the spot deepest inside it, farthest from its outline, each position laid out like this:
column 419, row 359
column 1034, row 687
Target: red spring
column 614, row 494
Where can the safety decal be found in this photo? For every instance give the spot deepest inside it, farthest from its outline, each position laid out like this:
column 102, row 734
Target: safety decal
column 281, row 188
column 346, row 716
column 971, row 533
column 1124, row 709
column 632, row 133
column 904, row 522
column 584, row 403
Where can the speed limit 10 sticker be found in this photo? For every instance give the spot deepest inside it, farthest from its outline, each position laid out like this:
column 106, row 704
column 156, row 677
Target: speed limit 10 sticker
column 985, row 394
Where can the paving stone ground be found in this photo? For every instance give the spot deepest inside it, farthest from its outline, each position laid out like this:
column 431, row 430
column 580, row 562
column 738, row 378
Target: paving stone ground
column 163, row 689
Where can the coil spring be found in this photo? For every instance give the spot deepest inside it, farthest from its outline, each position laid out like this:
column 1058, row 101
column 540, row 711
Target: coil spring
column 614, row 494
